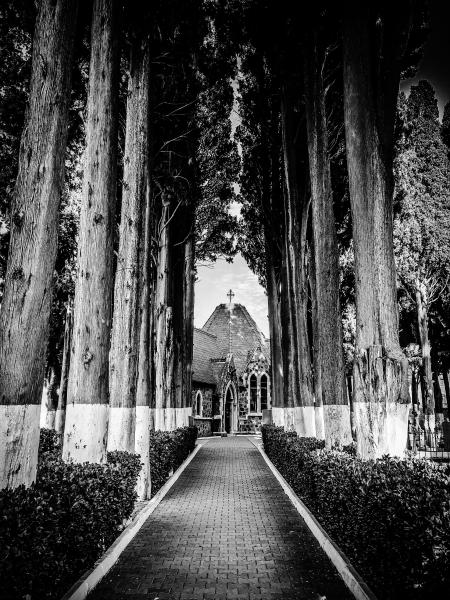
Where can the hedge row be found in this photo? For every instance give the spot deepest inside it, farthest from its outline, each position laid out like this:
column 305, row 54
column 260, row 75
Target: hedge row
column 167, row 451
column 390, row 516
column 52, row 532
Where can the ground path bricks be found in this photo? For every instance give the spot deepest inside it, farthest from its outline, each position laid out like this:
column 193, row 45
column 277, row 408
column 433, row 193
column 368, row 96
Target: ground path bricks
column 226, row 530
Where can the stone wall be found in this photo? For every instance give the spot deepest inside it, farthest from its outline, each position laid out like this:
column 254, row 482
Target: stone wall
column 203, row 426
column 207, row 400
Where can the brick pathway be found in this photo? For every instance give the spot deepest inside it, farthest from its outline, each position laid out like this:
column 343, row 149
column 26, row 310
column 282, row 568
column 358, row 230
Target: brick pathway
column 226, row 530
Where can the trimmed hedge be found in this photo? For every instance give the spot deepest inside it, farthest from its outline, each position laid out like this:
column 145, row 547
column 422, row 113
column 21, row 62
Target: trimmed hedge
column 390, row 516
column 53, row 531
column 167, row 451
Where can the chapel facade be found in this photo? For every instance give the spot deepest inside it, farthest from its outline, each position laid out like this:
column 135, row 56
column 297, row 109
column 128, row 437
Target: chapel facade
column 231, row 385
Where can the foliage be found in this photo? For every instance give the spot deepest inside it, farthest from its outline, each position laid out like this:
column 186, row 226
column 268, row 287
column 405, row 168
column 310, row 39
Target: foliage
column 167, row 451
column 50, row 442
column 422, row 224
column 53, row 531
column 390, row 516
column 16, row 23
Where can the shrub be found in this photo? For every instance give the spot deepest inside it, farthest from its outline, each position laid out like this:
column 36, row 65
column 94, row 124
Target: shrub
column 391, row 516
column 53, row 531
column 167, row 451
column 49, row 442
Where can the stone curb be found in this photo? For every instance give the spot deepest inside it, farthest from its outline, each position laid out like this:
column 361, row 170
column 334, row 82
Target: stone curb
column 91, row 578
column 352, row 579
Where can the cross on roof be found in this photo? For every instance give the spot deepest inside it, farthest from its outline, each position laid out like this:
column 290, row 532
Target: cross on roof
column 230, row 295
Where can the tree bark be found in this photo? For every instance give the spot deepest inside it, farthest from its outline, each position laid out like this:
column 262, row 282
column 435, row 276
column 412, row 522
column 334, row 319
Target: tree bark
column 125, row 329
column 52, row 397
column 371, row 78
column 26, row 302
column 296, row 219
column 145, row 370
column 188, row 330
column 275, row 327
column 60, row 418
column 427, row 374
column 318, row 404
column 86, row 428
column 336, row 411
column 164, row 350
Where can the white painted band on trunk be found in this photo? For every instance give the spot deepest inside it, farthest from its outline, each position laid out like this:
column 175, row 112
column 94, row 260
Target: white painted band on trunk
column 121, row 428
column 300, row 419
column 142, row 447
column 320, row 426
column 86, row 433
column 337, row 426
column 381, row 428
column 278, row 417
column 50, row 419
column 305, row 421
column 349, row 574
column 170, row 418
column 87, row 582
column 160, row 419
column 19, row 444
column 60, row 420
column 182, row 416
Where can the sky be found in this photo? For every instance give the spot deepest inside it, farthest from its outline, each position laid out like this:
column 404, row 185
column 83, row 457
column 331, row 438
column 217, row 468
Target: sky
column 215, row 280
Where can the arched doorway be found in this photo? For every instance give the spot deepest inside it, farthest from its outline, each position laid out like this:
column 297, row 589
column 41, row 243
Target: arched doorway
column 229, row 410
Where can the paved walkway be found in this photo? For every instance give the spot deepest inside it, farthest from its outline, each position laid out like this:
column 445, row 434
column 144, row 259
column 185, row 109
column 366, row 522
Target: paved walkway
column 226, row 530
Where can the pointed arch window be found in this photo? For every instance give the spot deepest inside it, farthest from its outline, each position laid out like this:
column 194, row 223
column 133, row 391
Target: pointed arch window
column 263, row 392
column 253, row 394
column 198, row 404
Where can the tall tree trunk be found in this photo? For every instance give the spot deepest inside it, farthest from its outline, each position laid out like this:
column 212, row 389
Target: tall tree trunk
column 427, row 375
column 25, row 310
column 60, row 418
column 164, row 351
column 275, row 327
column 145, row 370
column 125, row 329
column 371, row 77
column 296, row 218
column 336, row 410
column 52, row 396
column 86, row 430
column 188, row 330
column 318, row 404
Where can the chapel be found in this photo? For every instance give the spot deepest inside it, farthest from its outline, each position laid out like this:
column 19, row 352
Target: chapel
column 230, row 373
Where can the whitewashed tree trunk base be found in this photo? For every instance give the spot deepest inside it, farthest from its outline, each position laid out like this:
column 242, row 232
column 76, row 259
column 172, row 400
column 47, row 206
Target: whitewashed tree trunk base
column 160, row 419
column 381, row 428
column 144, row 419
column 320, row 426
column 121, row 428
column 182, row 416
column 171, row 419
column 19, row 443
column 337, row 426
column 304, row 421
column 50, row 419
column 60, row 419
column 86, row 433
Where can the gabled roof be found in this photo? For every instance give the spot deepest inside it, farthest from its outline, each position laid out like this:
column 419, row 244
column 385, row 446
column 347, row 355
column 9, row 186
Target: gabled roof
column 245, row 334
column 205, row 348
